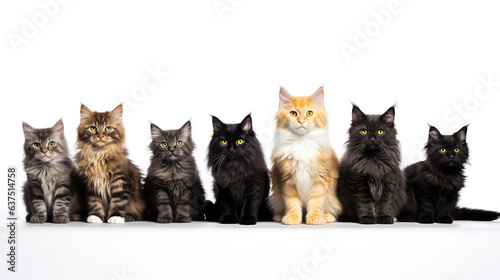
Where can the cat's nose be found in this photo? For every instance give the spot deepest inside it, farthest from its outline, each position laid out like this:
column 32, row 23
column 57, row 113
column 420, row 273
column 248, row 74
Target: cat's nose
column 372, row 138
column 452, row 156
column 45, row 152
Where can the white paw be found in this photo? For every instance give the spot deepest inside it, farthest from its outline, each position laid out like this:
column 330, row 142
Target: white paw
column 94, row 219
column 116, row 220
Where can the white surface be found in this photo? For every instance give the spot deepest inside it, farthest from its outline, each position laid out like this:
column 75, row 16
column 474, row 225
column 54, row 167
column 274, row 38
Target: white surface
column 430, row 58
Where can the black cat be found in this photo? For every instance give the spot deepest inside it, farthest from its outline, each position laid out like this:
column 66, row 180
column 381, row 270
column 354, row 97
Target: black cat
column 371, row 184
column 433, row 185
column 241, row 179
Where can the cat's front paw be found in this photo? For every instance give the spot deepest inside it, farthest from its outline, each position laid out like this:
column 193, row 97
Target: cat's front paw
column 385, row 220
column 116, row 220
column 445, row 220
column 61, row 219
column 368, row 220
column 292, row 220
column 38, row 219
column 315, row 220
column 228, row 219
column 425, row 219
column 278, row 218
column 248, row 220
column 93, row 219
column 129, row 218
column 182, row 220
column 329, row 218
column 76, row 217
column 164, row 220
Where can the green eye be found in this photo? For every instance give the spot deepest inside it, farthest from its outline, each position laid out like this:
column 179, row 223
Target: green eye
column 108, row 128
column 52, row 144
column 380, row 132
column 223, row 142
column 93, row 128
column 443, row 150
column 179, row 143
column 240, row 141
column 293, row 113
column 37, row 145
column 364, row 131
column 457, row 150
column 164, row 144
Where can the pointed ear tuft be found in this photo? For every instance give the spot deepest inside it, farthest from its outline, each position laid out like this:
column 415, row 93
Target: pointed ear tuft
column 156, row 132
column 185, row 131
column 117, row 114
column 434, row 134
column 58, row 129
column 246, row 124
column 318, row 97
column 357, row 114
column 461, row 135
column 389, row 115
column 217, row 124
column 85, row 112
column 285, row 98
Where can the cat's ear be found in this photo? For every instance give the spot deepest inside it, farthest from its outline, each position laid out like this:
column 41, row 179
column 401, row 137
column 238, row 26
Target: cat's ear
column 185, row 131
column 28, row 130
column 357, row 114
column 217, row 124
column 461, row 135
column 388, row 116
column 434, row 134
column 156, row 132
column 85, row 113
column 246, row 124
column 58, row 129
column 318, row 97
column 117, row 114
column 285, row 98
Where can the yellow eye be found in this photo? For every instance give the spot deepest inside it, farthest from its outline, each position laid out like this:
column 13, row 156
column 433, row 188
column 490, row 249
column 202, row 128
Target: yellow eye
column 457, row 150
column 223, row 142
column 37, row 145
column 293, row 114
column 380, row 132
column 179, row 143
column 239, row 142
column 108, row 128
column 164, row 144
column 443, row 150
column 364, row 131
column 93, row 128
column 52, row 144
column 309, row 113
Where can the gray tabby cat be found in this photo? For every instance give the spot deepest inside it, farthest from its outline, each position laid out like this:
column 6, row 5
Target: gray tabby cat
column 173, row 188
column 51, row 192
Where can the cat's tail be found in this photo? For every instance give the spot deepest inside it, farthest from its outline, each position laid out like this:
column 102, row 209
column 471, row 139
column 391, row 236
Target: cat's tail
column 474, row 214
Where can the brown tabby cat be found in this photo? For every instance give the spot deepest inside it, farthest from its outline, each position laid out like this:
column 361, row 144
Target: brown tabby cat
column 112, row 181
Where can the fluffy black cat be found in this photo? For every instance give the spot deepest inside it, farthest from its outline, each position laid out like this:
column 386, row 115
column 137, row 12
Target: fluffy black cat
column 241, row 179
column 173, row 188
column 433, row 185
column 371, row 184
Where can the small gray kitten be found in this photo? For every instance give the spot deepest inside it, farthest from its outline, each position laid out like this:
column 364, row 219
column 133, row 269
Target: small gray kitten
column 51, row 192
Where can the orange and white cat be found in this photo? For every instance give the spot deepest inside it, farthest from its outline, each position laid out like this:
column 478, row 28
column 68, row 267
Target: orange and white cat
column 305, row 168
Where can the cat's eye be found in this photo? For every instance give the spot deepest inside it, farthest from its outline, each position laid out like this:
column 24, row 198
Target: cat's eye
column 52, row 144
column 164, row 144
column 108, row 128
column 309, row 113
column 240, row 141
column 380, row 132
column 223, row 142
column 37, row 145
column 457, row 150
column 178, row 143
column 93, row 128
column 443, row 150
column 364, row 131
column 293, row 113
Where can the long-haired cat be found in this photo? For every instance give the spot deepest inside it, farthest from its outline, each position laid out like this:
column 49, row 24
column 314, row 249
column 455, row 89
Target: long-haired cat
column 433, row 185
column 371, row 184
column 52, row 192
column 173, row 188
column 112, row 182
column 241, row 180
column 305, row 168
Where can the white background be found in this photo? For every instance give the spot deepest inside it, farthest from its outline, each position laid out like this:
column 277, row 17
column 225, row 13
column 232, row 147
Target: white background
column 429, row 57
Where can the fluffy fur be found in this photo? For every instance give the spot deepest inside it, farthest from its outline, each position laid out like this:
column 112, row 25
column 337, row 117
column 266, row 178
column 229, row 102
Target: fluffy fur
column 241, row 180
column 305, row 168
column 433, row 185
column 52, row 191
column 371, row 184
column 112, row 182
column 173, row 188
